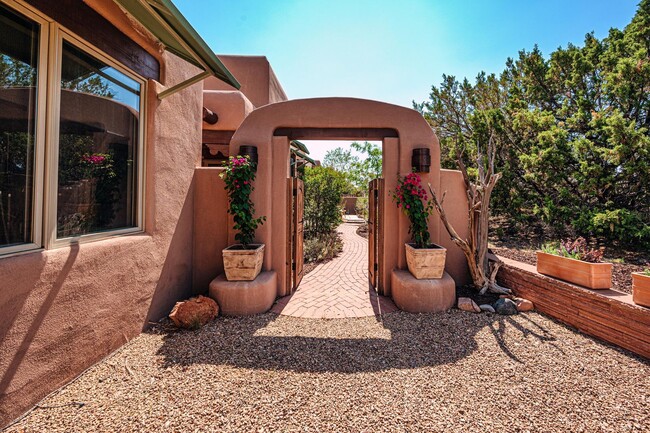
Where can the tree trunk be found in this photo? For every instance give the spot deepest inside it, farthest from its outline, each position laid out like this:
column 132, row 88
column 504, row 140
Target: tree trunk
column 475, row 247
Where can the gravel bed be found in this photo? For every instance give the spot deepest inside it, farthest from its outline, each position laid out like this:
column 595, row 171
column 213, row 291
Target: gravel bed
column 452, row 372
column 621, row 272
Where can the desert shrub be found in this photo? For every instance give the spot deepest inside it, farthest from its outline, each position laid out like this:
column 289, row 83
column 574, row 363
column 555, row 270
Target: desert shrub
column 322, row 248
column 324, row 189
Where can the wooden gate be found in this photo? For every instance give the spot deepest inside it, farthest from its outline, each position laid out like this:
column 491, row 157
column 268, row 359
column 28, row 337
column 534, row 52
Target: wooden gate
column 295, row 246
column 375, row 233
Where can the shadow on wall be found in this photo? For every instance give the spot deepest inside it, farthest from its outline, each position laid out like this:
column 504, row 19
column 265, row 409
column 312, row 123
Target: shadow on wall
column 416, row 340
column 175, row 282
column 7, row 322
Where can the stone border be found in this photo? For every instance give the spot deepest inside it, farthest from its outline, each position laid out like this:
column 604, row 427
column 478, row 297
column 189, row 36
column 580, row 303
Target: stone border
column 606, row 314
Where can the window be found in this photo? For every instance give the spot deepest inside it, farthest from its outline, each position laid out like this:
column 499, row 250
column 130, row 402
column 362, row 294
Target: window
column 98, row 141
column 92, row 149
column 19, row 73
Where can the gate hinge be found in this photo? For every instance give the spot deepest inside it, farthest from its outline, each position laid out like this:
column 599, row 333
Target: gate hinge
column 376, row 193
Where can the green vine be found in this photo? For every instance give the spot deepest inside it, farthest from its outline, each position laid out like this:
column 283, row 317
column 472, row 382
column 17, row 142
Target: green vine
column 239, row 176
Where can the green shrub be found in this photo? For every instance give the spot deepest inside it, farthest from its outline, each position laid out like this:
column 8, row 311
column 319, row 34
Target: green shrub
column 322, row 248
column 571, row 129
column 324, row 189
column 362, row 207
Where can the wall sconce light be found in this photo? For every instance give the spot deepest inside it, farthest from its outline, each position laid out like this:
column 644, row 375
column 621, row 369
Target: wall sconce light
column 251, row 151
column 421, row 160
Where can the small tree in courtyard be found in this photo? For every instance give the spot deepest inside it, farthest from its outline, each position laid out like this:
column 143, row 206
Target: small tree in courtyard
column 475, row 247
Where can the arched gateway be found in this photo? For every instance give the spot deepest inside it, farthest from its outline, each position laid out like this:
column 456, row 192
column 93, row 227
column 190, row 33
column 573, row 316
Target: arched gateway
column 270, row 129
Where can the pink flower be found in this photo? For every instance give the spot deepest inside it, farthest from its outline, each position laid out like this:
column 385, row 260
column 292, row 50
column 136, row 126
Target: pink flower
column 94, row 159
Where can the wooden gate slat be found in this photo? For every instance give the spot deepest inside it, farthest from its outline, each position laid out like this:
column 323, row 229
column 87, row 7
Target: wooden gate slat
column 299, row 212
column 289, row 262
column 379, row 236
column 372, row 257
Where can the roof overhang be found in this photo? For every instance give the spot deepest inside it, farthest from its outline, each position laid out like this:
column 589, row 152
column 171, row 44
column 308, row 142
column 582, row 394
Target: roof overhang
column 164, row 21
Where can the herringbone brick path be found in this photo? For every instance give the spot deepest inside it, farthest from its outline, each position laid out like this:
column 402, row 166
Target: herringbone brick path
column 338, row 288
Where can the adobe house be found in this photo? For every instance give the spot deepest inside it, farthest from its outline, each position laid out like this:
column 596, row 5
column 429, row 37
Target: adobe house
column 100, row 112
column 115, row 116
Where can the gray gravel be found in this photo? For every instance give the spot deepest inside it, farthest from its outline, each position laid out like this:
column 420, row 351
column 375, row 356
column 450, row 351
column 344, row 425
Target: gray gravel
column 452, row 372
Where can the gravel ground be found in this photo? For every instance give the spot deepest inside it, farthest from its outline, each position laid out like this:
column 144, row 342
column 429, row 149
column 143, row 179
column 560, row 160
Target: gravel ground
column 452, row 372
column 621, row 272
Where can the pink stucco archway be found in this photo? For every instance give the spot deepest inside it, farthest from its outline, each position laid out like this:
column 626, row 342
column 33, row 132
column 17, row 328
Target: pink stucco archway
column 401, row 129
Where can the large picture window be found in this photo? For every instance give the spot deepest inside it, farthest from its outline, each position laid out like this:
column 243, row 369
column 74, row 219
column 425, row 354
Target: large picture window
column 71, row 137
column 98, row 137
column 19, row 45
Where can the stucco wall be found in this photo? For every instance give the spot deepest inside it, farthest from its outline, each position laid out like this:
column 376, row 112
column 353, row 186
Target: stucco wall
column 64, row 309
column 210, row 226
column 232, row 107
column 455, row 206
column 256, row 76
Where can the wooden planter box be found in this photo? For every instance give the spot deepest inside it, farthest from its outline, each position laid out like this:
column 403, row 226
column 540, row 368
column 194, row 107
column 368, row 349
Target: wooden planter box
column 590, row 275
column 641, row 289
column 243, row 264
column 426, row 263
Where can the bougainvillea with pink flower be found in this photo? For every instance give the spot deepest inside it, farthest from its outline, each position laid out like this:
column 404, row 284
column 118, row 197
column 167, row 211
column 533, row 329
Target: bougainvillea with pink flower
column 238, row 176
column 414, row 201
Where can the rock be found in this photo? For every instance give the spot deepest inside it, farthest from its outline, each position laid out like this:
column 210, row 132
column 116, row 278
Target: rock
column 524, row 305
column 194, row 313
column 466, row 304
column 505, row 306
column 487, row 307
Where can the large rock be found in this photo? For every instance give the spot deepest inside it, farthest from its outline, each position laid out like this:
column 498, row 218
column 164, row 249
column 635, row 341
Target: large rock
column 505, row 306
column 194, row 313
column 524, row 305
column 467, row 304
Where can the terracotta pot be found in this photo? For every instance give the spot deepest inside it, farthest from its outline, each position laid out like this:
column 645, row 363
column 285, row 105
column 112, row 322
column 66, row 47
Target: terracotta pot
column 426, row 263
column 590, row 275
column 243, row 264
column 641, row 289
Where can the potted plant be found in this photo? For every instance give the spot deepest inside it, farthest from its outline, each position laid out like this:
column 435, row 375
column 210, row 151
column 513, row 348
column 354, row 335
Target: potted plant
column 424, row 259
column 574, row 262
column 242, row 261
column 641, row 287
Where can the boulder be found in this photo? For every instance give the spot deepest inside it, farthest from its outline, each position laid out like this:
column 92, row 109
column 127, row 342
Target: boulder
column 505, row 306
column 487, row 307
column 466, row 304
column 194, row 313
column 524, row 305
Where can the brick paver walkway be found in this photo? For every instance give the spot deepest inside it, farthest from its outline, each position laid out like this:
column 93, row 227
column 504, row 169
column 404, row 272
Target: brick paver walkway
column 338, row 288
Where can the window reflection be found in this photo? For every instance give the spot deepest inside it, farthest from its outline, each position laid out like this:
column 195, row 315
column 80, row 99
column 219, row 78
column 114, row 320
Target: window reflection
column 98, row 141
column 18, row 77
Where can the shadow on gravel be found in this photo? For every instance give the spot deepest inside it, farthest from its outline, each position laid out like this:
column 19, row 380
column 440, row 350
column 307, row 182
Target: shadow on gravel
column 414, row 341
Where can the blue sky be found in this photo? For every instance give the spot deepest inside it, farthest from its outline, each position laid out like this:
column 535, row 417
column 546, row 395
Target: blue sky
column 393, row 51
